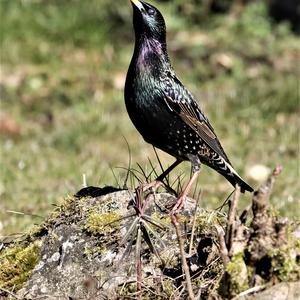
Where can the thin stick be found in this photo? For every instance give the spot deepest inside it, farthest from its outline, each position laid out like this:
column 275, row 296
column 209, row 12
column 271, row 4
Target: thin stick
column 231, row 218
column 158, row 296
column 153, row 167
column 129, row 163
column 132, row 172
column 250, row 291
column 167, row 177
column 139, row 263
column 179, row 187
column 143, row 172
column 129, row 231
column 225, row 202
column 183, row 260
column 222, row 245
column 24, row 214
column 84, row 183
column 194, row 224
column 114, row 175
column 158, row 159
column 9, row 293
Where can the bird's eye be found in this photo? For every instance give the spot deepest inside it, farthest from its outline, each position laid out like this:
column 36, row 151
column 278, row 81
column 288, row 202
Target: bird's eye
column 151, row 12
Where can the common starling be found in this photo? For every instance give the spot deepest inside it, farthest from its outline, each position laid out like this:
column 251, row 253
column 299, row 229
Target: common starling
column 164, row 112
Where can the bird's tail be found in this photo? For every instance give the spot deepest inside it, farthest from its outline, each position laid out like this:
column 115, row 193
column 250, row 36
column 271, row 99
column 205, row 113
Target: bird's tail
column 232, row 176
column 235, row 179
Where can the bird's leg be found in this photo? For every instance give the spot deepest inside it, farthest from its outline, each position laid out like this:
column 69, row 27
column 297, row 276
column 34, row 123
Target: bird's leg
column 158, row 181
column 180, row 201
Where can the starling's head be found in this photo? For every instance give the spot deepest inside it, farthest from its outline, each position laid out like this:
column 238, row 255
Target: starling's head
column 148, row 21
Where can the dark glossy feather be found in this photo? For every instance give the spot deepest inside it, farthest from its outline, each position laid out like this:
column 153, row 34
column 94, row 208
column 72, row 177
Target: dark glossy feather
column 161, row 108
column 181, row 101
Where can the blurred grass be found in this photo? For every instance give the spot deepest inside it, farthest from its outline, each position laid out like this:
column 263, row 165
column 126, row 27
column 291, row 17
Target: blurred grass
column 63, row 66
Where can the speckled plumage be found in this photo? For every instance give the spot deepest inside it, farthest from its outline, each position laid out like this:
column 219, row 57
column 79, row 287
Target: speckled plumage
column 164, row 112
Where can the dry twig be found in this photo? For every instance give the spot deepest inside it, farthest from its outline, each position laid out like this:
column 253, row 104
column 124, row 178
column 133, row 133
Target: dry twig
column 183, row 260
column 229, row 235
column 222, row 245
column 194, row 224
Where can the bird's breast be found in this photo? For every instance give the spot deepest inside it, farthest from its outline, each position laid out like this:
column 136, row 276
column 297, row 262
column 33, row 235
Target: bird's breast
column 143, row 100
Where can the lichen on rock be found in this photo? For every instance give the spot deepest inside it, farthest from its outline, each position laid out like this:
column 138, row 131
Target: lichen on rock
column 17, row 263
column 104, row 223
column 80, row 252
column 237, row 272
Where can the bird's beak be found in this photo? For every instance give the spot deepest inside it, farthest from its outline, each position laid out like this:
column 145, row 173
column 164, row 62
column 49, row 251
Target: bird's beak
column 138, row 4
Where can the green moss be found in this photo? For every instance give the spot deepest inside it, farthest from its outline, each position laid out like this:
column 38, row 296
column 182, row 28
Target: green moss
column 150, row 289
column 284, row 259
column 297, row 244
column 128, row 289
column 36, row 232
column 68, row 207
column 237, row 271
column 106, row 200
column 168, row 287
column 201, row 221
column 105, row 223
column 206, row 220
column 90, row 252
column 285, row 264
column 164, row 220
column 17, row 264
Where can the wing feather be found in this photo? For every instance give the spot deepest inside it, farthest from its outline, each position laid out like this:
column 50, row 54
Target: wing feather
column 188, row 110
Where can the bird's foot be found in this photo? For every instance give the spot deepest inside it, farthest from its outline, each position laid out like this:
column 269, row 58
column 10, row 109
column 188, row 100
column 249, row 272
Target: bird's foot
column 178, row 205
column 180, row 201
column 152, row 185
column 142, row 201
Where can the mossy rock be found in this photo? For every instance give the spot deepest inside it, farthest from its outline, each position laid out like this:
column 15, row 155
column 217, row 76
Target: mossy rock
column 17, row 264
column 80, row 252
column 80, row 244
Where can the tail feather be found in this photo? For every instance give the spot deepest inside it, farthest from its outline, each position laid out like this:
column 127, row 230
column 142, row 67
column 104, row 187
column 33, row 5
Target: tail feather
column 226, row 169
column 235, row 179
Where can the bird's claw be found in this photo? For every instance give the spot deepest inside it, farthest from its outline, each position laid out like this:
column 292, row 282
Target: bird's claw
column 152, row 185
column 178, row 206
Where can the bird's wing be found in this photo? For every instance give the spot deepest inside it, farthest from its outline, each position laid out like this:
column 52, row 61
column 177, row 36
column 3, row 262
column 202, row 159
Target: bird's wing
column 180, row 101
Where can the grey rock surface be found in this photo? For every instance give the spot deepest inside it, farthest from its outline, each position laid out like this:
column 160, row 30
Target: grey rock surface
column 87, row 250
column 83, row 259
column 281, row 291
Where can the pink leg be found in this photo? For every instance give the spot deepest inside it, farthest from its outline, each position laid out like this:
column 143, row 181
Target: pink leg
column 158, row 181
column 180, row 201
column 154, row 185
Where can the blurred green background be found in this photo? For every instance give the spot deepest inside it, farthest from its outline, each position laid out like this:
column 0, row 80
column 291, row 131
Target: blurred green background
column 63, row 67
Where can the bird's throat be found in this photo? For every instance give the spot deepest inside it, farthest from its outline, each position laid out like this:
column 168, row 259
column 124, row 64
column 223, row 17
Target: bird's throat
column 150, row 53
